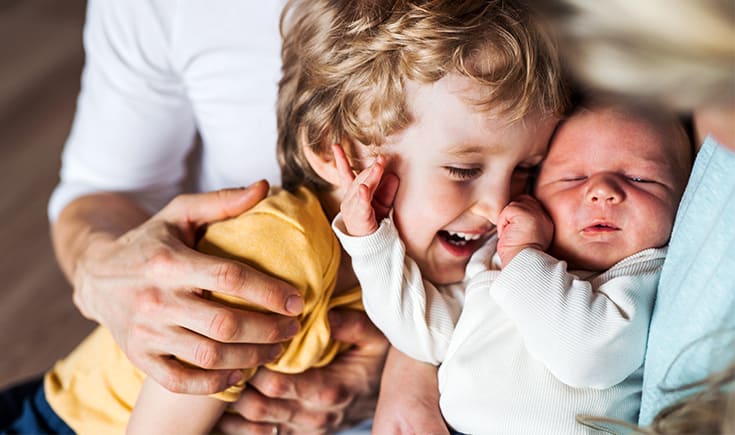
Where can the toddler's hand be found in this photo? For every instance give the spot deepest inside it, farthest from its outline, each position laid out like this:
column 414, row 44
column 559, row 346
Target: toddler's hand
column 523, row 224
column 363, row 206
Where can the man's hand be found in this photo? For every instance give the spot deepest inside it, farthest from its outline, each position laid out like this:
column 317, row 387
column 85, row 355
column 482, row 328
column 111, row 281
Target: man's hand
column 523, row 224
column 145, row 287
column 320, row 400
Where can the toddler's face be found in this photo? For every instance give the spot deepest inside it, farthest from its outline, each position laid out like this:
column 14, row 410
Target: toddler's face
column 458, row 168
column 611, row 185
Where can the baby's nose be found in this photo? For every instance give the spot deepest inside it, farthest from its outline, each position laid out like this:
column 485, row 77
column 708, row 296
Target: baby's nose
column 604, row 188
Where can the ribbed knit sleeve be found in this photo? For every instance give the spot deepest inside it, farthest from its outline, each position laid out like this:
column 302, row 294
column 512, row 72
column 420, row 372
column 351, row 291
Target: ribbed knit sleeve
column 588, row 333
column 417, row 317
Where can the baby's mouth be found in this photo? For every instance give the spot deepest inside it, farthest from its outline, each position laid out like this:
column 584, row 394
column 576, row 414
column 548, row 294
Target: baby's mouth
column 601, row 227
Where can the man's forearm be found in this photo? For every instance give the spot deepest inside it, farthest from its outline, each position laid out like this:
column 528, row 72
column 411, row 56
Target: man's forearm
column 90, row 216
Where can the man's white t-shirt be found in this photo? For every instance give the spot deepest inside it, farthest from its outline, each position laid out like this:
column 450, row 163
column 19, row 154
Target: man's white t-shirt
column 157, row 72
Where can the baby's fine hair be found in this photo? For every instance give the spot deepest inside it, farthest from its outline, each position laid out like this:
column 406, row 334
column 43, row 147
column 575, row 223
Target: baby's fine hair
column 346, row 63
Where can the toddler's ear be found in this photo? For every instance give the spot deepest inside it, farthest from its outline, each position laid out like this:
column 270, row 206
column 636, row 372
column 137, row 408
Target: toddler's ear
column 325, row 164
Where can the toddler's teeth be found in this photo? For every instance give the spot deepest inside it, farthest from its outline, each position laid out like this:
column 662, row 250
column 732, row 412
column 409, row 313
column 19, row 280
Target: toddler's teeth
column 465, row 235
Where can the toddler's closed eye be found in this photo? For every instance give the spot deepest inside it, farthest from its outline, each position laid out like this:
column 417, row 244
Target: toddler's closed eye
column 463, row 173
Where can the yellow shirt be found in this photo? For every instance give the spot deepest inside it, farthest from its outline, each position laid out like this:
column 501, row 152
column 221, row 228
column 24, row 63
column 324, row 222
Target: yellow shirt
column 287, row 235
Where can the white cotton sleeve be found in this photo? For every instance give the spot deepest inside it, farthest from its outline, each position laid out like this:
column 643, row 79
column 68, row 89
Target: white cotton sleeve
column 589, row 334
column 417, row 317
column 134, row 126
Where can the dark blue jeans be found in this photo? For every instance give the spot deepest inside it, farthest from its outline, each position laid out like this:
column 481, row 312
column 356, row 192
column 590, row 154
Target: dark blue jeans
column 24, row 410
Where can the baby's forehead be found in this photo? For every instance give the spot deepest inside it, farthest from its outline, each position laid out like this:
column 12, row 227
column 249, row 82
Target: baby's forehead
column 613, row 118
column 634, row 131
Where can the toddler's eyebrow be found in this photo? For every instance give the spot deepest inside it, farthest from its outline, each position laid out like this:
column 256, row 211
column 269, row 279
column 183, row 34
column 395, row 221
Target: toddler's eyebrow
column 462, row 150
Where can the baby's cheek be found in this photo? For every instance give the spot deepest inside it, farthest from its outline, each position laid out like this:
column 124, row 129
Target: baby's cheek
column 658, row 225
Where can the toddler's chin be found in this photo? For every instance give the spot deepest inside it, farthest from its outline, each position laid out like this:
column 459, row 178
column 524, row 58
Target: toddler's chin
column 445, row 277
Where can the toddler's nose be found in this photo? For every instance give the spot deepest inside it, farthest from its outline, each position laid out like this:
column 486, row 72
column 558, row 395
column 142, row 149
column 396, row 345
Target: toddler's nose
column 490, row 206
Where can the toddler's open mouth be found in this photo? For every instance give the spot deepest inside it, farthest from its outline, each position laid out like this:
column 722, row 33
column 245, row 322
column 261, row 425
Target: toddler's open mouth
column 459, row 238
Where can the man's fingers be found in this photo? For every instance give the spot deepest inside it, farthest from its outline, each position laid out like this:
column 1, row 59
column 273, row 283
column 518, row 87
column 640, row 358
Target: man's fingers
column 202, row 208
column 352, row 326
column 239, row 280
column 210, row 354
column 180, row 378
column 234, row 424
column 320, row 399
column 232, row 325
column 288, row 414
column 166, row 351
column 311, row 388
column 254, row 406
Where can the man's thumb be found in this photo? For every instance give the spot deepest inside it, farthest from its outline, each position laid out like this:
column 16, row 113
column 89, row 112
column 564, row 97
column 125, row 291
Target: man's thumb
column 202, row 208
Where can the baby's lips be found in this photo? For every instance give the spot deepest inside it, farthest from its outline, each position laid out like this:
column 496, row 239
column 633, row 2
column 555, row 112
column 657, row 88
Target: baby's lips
column 601, row 227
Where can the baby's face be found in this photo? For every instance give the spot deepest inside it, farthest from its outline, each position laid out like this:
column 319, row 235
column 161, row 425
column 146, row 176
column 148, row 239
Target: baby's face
column 458, row 167
column 611, row 185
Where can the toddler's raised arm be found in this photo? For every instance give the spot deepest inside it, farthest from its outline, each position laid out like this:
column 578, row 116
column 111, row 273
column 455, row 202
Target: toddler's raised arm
column 417, row 317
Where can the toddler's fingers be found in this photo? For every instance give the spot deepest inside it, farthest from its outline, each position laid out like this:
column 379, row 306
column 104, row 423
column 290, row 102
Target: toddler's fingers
column 365, row 196
column 358, row 214
column 370, row 178
column 346, row 175
column 359, row 207
column 385, row 194
column 374, row 174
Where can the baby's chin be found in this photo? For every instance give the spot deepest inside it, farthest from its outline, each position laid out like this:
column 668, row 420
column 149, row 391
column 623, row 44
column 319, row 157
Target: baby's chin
column 590, row 260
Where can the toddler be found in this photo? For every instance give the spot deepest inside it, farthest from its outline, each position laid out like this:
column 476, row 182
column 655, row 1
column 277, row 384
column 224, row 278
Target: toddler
column 535, row 338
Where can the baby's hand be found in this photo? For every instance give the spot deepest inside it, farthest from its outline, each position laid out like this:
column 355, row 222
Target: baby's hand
column 362, row 206
column 523, row 224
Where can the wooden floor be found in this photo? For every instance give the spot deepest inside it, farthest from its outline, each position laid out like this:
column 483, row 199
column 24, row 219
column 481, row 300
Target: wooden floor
column 40, row 64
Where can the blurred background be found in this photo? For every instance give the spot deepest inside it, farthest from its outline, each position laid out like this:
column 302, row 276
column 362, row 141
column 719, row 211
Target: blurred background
column 41, row 60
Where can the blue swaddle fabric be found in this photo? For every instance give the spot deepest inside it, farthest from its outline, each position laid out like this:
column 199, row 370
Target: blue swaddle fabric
column 692, row 331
